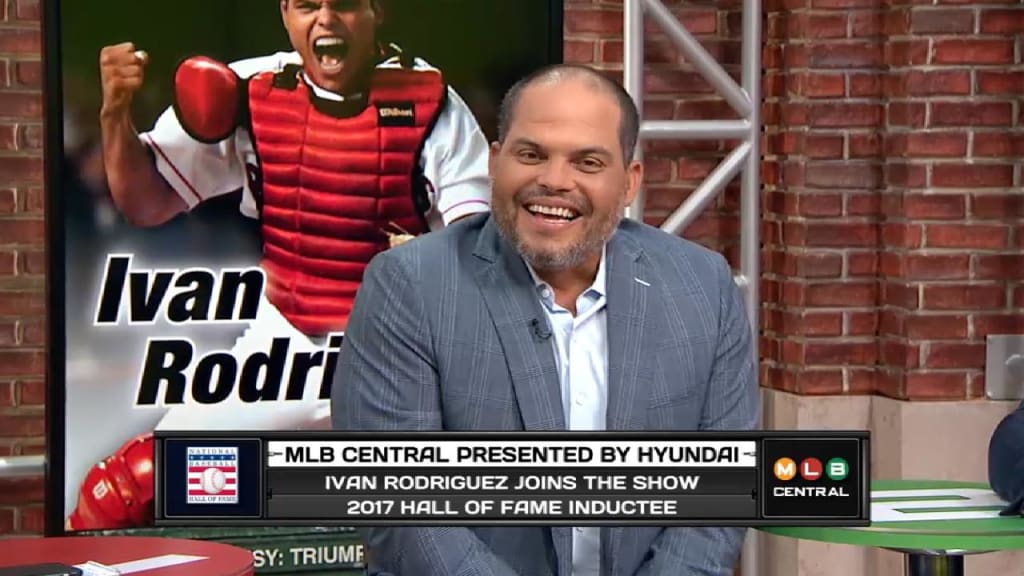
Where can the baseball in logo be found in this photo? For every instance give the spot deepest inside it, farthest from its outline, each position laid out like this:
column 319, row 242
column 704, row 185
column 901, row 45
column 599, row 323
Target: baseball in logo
column 212, row 475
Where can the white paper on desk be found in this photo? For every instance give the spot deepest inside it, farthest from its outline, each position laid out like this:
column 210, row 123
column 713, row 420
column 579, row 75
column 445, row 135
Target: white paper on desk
column 144, row 564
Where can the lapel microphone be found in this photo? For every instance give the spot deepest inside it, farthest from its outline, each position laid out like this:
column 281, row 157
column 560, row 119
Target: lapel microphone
column 540, row 330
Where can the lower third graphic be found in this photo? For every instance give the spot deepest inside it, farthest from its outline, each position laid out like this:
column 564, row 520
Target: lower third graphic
column 212, row 475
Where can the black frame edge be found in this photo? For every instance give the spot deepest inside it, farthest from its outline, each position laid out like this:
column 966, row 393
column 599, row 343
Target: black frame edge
column 53, row 184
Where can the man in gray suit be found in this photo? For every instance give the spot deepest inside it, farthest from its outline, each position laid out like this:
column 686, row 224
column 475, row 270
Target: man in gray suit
column 551, row 313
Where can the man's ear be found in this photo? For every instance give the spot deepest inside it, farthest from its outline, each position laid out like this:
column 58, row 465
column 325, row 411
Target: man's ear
column 492, row 158
column 634, row 179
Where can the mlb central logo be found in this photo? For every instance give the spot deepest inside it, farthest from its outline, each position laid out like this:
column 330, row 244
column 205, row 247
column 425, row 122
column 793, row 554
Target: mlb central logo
column 212, row 475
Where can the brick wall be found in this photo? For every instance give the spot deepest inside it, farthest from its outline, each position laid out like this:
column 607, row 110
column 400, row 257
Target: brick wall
column 893, row 212
column 22, row 260
column 892, row 222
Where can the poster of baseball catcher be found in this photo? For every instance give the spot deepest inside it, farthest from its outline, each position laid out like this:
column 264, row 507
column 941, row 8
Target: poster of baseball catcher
column 229, row 226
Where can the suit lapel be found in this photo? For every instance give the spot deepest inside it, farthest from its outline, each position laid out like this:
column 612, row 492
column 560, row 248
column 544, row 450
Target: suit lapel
column 508, row 291
column 509, row 294
column 633, row 289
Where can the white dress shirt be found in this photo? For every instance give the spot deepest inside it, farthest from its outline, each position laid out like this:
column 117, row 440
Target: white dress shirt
column 581, row 354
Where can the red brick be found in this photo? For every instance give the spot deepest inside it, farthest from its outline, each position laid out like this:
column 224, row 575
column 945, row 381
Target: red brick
column 1004, row 22
column 864, row 146
column 6, row 520
column 822, row 85
column 823, row 146
column 846, row 55
column 935, row 385
column 31, row 393
column 841, row 234
column 694, row 168
column 840, row 353
column 998, row 324
column 819, row 204
column 583, row 51
column 935, row 327
column 704, row 109
column 943, row 21
column 824, row 25
column 845, row 175
column 17, row 491
column 865, row 86
column 861, row 264
column 818, row 265
column 998, row 144
column 816, row 382
column 1018, row 297
column 935, row 206
column 8, row 266
column 845, row 115
column 1000, row 82
column 861, row 323
column 901, row 235
column 27, row 10
column 844, row 4
column 1001, row 206
column 955, row 355
column 906, row 53
column 964, row 297
column 816, row 324
column 846, row 294
column 862, row 204
column 675, row 82
column 999, row 267
column 35, row 199
column 942, row 82
column 864, row 24
column 31, row 262
column 20, row 425
column 927, row 144
column 936, row 266
column 972, row 175
column 22, row 231
column 901, row 354
column 603, row 22
column 8, row 201
column 971, row 113
column 20, row 41
column 28, row 74
column 21, row 362
column 6, row 395
column 983, row 236
column 20, row 303
column 910, row 114
column 31, row 520
column 21, row 104
column 961, row 51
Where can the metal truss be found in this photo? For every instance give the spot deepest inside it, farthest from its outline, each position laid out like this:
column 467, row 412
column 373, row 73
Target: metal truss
column 745, row 99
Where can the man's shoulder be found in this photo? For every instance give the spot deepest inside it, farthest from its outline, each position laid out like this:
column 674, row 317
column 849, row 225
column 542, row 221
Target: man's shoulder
column 669, row 249
column 275, row 62
column 427, row 254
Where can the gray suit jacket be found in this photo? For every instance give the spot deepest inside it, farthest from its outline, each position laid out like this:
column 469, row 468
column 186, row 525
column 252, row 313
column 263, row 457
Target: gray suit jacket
column 440, row 339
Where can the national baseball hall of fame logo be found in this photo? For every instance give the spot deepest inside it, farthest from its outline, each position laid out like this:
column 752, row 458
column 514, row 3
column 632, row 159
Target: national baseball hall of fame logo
column 212, row 475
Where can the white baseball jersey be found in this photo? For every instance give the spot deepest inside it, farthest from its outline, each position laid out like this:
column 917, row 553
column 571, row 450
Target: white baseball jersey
column 454, row 157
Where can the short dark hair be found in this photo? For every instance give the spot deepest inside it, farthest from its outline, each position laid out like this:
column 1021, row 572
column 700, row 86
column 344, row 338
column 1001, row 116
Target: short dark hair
column 629, row 117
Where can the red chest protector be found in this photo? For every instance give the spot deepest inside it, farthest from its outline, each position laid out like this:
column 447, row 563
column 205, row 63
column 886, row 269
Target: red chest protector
column 333, row 181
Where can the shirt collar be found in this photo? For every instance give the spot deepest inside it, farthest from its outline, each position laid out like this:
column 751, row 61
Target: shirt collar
column 596, row 290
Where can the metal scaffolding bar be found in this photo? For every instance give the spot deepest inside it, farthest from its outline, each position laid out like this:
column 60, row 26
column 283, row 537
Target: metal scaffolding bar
column 694, row 130
column 745, row 99
column 22, row 466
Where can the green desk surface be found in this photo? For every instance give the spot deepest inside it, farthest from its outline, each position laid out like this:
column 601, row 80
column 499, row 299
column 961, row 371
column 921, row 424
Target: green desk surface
column 926, row 515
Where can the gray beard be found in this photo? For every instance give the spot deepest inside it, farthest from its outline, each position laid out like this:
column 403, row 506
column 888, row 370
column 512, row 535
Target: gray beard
column 575, row 255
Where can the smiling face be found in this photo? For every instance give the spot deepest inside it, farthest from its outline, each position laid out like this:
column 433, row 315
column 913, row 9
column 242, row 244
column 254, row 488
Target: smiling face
column 336, row 38
column 560, row 180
